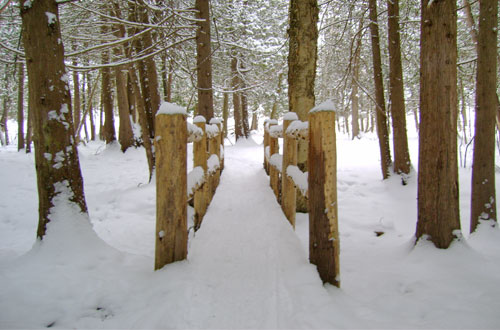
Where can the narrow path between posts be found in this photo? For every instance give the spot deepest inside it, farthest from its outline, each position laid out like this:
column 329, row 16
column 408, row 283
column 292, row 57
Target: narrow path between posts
column 249, row 269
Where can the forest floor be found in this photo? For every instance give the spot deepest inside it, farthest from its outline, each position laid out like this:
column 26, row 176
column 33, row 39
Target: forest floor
column 247, row 267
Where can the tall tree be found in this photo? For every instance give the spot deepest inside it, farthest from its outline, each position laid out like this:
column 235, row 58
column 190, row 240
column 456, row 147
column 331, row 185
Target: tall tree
column 235, row 85
column 381, row 114
column 302, row 56
column 483, row 205
column 204, row 60
column 5, row 112
column 438, row 211
column 355, row 79
column 20, row 106
column 109, row 133
column 56, row 157
column 76, row 99
column 400, row 139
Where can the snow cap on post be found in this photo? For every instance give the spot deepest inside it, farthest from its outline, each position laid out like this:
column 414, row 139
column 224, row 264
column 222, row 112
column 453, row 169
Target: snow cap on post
column 167, row 108
column 215, row 121
column 290, row 116
column 199, row 119
column 325, row 106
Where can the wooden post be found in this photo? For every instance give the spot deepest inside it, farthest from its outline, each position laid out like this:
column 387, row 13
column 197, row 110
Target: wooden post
column 323, row 223
column 273, row 172
column 288, row 191
column 221, row 145
column 201, row 196
column 266, row 144
column 171, row 189
column 214, row 149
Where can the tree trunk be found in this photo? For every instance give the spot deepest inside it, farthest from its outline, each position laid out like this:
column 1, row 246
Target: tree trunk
column 244, row 112
column 109, row 134
column 143, row 121
column 3, row 120
column 56, row 157
column 398, row 111
column 255, row 123
column 438, row 211
column 125, row 134
column 381, row 114
column 483, row 206
column 354, row 84
column 225, row 114
column 204, row 60
column 164, row 75
column 235, row 84
column 91, row 112
column 169, row 81
column 29, row 130
column 302, row 55
column 76, row 101
column 132, row 108
column 274, row 109
column 20, row 106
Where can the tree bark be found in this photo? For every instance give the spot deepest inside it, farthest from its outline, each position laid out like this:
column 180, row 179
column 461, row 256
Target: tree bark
column 109, row 133
column 274, row 109
column 204, row 60
column 56, row 157
column 91, row 112
column 400, row 140
column 483, row 206
column 438, row 209
column 3, row 120
column 302, row 56
column 244, row 111
column 29, row 130
column 143, row 121
column 125, row 134
column 354, row 84
column 225, row 115
column 20, row 106
column 381, row 114
column 76, row 100
column 235, row 84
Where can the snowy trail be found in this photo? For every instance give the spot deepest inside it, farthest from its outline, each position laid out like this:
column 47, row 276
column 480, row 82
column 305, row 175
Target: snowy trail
column 248, row 265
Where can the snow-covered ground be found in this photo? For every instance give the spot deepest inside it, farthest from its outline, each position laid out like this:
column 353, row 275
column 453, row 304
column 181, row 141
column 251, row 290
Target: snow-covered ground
column 246, row 266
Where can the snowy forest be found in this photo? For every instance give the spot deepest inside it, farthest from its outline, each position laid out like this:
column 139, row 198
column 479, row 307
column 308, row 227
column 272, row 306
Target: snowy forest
column 249, row 164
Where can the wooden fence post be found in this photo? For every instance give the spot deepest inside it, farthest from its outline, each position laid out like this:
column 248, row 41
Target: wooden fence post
column 171, row 189
column 288, row 190
column 273, row 172
column 323, row 223
column 266, row 144
column 214, row 149
column 220, row 139
column 201, row 196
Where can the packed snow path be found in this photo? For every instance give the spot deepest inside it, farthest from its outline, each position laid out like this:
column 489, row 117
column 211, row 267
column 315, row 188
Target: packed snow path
column 250, row 268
